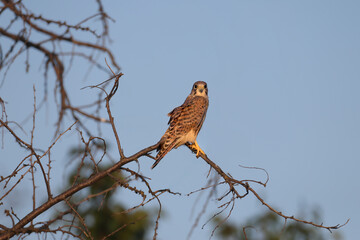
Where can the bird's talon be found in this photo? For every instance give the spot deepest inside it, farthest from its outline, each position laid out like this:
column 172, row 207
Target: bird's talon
column 195, row 148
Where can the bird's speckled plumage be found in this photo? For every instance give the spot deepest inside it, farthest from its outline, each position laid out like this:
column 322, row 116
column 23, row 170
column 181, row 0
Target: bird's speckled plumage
column 185, row 121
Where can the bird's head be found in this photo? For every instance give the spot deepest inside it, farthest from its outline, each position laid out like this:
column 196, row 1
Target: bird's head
column 199, row 89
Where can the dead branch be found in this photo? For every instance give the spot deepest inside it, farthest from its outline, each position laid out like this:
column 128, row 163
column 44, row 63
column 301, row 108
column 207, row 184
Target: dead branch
column 232, row 183
column 24, row 42
column 57, row 34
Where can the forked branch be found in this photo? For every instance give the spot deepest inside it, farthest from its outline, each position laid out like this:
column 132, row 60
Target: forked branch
column 245, row 184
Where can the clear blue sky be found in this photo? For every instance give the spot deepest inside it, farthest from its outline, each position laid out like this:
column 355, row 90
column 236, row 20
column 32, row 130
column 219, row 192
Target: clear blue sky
column 283, row 79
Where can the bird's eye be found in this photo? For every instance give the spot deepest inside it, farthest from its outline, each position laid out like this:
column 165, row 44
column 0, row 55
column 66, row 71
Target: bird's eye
column 195, row 86
column 205, row 86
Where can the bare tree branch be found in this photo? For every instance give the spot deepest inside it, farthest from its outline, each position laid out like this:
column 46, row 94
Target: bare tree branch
column 57, row 36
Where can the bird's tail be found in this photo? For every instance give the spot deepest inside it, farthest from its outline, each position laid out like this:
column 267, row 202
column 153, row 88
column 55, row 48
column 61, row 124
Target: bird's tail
column 163, row 150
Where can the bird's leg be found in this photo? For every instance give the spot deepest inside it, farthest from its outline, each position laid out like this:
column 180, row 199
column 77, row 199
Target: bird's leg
column 195, row 147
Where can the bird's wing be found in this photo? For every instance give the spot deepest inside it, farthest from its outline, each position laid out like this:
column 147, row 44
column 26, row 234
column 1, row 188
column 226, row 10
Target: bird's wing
column 176, row 112
column 163, row 149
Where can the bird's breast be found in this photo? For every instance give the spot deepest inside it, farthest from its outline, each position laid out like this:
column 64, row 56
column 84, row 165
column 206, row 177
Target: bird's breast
column 189, row 137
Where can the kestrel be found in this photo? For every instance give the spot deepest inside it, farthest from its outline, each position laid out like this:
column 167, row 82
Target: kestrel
column 185, row 122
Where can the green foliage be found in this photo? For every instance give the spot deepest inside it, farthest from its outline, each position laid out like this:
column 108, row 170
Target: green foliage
column 270, row 226
column 104, row 215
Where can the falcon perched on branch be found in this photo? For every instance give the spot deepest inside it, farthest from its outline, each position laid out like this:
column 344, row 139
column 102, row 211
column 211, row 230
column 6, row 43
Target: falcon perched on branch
column 185, row 122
